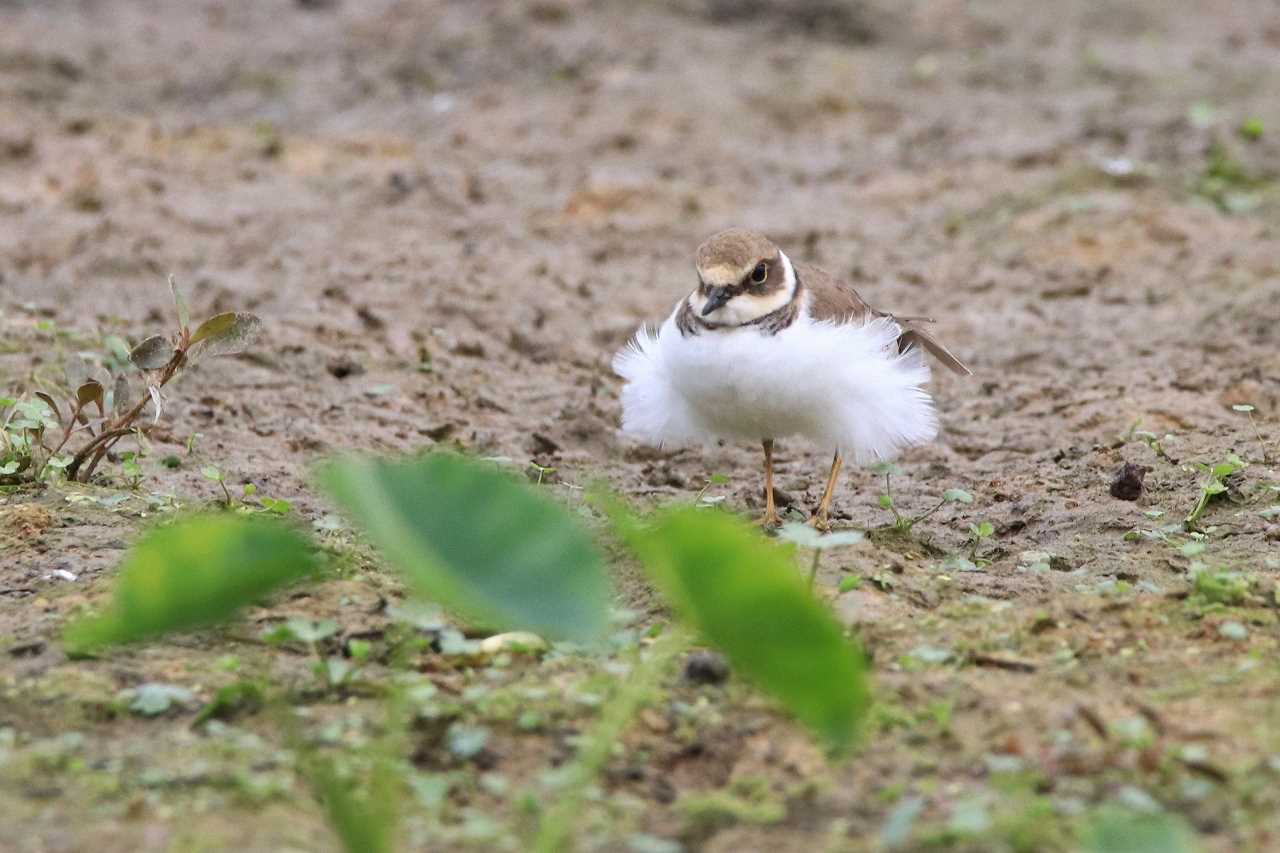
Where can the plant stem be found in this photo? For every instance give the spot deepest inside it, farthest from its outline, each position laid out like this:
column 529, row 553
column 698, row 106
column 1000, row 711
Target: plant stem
column 888, row 492
column 923, row 516
column 556, row 829
column 1265, row 455
column 813, row 569
column 98, row 446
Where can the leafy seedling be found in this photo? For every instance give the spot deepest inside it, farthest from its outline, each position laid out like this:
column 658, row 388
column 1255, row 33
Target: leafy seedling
column 1247, row 409
column 213, row 474
column 806, row 537
column 905, row 523
column 1115, row 829
column 978, row 533
column 1213, row 486
column 192, row 574
column 76, row 435
column 743, row 595
column 472, row 538
column 131, row 468
column 713, row 480
column 153, row 699
column 1153, row 442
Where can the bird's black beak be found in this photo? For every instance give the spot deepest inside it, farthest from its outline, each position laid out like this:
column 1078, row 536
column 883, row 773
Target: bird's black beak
column 719, row 296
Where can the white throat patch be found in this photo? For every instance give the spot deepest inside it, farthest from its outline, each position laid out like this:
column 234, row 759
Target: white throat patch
column 744, row 307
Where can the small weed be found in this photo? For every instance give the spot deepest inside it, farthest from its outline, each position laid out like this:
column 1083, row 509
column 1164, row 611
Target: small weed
column 1227, row 182
column 211, row 472
column 1251, row 129
column 977, row 533
column 132, row 469
column 714, row 480
column 905, row 523
column 1220, row 587
column 40, row 435
column 1154, row 442
column 806, row 537
column 1248, row 409
column 1214, row 485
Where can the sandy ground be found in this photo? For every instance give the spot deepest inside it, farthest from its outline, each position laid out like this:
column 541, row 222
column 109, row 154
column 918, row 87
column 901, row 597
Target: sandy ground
column 450, row 214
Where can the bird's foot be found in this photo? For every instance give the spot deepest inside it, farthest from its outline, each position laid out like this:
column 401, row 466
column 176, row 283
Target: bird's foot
column 770, row 521
column 819, row 522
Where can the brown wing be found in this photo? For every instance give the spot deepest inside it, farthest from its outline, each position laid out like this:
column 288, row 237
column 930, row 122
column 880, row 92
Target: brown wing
column 835, row 301
column 912, row 335
column 832, row 300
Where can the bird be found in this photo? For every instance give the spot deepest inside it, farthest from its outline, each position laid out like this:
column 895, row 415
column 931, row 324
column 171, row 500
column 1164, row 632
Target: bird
column 765, row 349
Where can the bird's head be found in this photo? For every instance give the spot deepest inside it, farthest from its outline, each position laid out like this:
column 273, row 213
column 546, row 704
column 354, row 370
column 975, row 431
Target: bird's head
column 742, row 276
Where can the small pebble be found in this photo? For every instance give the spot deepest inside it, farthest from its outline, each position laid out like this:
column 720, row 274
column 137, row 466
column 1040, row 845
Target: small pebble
column 520, row 641
column 706, row 668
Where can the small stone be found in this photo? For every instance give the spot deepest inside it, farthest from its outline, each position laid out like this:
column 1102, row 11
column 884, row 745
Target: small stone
column 1128, row 483
column 705, row 667
column 513, row 641
column 341, row 368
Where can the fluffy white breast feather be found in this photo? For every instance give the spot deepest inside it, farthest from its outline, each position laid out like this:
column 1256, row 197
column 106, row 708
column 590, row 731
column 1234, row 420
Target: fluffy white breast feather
column 844, row 386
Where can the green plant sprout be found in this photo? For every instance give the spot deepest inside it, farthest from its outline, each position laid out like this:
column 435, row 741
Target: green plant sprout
column 131, row 468
column 977, row 533
column 806, row 537
column 538, row 473
column 1214, row 485
column 211, row 472
column 1248, row 409
column 41, row 434
column 905, row 523
column 714, row 480
column 498, row 553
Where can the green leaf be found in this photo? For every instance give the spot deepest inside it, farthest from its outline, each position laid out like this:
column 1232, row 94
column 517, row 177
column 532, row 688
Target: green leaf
column 211, row 472
column 957, row 563
column 194, row 573
column 152, row 354
column 955, row 496
column 365, row 821
column 807, row 537
column 276, row 506
column 474, row 539
column 90, row 392
column 180, row 303
column 224, row 334
column 746, row 598
column 466, row 741
column 308, row 631
column 849, row 582
column 241, row 697
column 1242, row 407
column 1118, row 830
column 153, row 699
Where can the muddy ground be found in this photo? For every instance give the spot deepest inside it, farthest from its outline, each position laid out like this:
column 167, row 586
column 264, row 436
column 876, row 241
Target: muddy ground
column 450, row 214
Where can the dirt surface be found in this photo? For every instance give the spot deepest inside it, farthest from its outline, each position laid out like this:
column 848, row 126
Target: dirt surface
column 450, row 214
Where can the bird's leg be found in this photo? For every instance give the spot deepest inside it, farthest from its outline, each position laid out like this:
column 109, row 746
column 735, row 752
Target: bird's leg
column 770, row 511
column 819, row 519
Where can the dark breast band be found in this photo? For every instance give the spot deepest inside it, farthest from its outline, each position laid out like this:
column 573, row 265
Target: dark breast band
column 689, row 323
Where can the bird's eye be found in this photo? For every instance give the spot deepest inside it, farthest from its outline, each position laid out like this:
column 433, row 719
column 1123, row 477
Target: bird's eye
column 760, row 273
